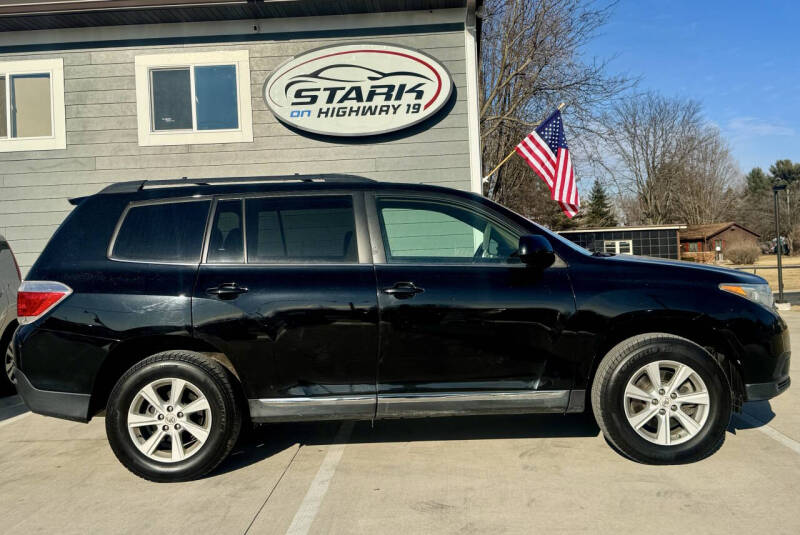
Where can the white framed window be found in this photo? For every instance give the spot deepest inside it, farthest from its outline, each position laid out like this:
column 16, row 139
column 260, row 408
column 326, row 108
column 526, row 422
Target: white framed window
column 32, row 105
column 618, row 246
column 194, row 98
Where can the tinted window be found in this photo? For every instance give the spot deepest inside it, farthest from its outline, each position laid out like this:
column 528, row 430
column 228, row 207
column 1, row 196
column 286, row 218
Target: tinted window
column 304, row 229
column 172, row 99
column 216, row 101
column 214, row 93
column 422, row 231
column 30, row 105
column 170, row 232
column 225, row 244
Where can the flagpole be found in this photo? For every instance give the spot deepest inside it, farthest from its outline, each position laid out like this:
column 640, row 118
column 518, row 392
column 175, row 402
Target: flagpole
column 514, row 150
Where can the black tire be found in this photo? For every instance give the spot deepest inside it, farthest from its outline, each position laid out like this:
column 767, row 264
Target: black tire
column 620, row 365
column 211, row 379
column 7, row 383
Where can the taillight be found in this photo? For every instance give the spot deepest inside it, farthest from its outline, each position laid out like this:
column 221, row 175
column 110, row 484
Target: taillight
column 35, row 298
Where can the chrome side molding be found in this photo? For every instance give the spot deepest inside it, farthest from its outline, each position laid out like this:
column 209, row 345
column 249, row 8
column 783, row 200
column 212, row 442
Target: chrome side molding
column 414, row 405
column 296, row 409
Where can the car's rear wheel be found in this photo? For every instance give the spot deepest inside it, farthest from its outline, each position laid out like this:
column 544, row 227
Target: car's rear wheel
column 9, row 379
column 661, row 399
column 173, row 417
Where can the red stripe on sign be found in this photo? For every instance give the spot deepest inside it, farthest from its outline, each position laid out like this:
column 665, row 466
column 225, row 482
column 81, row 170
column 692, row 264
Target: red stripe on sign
column 371, row 51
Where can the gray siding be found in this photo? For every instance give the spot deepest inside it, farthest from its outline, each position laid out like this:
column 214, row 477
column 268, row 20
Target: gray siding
column 102, row 144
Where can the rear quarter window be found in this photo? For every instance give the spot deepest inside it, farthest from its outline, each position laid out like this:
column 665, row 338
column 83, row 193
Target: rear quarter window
column 164, row 232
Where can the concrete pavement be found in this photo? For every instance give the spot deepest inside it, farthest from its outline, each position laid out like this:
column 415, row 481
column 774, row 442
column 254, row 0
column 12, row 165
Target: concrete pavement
column 505, row 474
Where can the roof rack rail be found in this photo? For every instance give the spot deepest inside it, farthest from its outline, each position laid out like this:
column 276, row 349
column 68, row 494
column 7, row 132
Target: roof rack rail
column 138, row 185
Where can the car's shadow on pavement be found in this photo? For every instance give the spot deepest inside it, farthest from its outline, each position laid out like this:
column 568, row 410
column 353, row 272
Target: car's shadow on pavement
column 264, row 441
column 10, row 407
column 754, row 414
column 267, row 440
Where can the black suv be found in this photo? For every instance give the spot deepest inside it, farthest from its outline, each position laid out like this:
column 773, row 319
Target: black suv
column 187, row 308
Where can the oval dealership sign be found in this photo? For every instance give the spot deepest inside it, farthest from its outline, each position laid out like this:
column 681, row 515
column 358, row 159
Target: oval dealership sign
column 358, row 89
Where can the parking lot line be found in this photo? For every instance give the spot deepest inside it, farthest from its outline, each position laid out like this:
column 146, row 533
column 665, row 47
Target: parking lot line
column 275, row 486
column 770, row 432
column 307, row 512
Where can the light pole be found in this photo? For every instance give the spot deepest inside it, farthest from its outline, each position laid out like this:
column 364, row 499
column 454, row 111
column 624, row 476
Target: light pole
column 779, row 249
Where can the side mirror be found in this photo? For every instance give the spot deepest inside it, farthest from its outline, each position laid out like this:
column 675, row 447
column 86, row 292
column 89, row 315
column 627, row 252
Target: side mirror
column 536, row 251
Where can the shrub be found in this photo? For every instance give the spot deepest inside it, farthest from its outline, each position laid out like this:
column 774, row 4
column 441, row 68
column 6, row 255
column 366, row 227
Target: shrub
column 744, row 252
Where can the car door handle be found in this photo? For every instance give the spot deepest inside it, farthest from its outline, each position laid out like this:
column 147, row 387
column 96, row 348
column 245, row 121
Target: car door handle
column 403, row 290
column 229, row 290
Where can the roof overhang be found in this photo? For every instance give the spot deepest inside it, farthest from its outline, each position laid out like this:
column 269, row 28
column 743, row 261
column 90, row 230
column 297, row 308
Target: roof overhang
column 16, row 15
column 620, row 229
column 709, row 235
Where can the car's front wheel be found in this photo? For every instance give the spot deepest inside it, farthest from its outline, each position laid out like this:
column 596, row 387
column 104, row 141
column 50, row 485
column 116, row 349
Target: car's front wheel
column 661, row 399
column 173, row 417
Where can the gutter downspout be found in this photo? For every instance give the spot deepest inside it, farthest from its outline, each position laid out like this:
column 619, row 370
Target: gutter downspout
column 473, row 118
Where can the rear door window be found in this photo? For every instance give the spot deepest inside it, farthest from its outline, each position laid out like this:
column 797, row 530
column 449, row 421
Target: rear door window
column 164, row 232
column 301, row 229
column 226, row 241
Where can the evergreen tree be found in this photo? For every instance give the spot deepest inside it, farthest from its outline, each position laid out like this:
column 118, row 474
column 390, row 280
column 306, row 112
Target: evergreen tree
column 599, row 212
column 785, row 171
column 757, row 180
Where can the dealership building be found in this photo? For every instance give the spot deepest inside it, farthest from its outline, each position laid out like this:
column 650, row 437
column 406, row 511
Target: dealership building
column 100, row 91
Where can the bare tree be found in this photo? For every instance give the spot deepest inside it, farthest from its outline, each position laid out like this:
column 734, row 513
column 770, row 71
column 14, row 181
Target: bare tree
column 707, row 189
column 531, row 59
column 631, row 209
column 654, row 140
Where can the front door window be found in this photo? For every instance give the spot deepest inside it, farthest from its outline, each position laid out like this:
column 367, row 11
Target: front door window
column 418, row 231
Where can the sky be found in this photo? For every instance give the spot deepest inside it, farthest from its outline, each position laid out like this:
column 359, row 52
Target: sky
column 740, row 59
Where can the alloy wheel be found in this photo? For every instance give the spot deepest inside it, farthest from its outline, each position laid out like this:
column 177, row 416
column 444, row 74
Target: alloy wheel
column 666, row 402
column 169, row 420
column 9, row 365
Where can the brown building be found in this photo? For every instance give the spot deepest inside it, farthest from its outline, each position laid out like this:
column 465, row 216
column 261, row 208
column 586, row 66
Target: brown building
column 713, row 238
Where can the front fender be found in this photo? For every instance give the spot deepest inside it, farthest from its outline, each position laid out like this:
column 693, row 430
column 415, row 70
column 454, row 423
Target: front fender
column 750, row 335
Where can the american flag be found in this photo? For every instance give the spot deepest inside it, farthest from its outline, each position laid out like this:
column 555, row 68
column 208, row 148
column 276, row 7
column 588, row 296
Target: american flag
column 545, row 150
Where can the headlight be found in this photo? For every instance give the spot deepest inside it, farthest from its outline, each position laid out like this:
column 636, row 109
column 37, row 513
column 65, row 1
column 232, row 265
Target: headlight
column 758, row 293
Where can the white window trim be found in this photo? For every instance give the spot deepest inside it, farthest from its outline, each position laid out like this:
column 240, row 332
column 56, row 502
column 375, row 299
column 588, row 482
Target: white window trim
column 54, row 67
column 144, row 64
column 616, row 244
column 473, row 98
